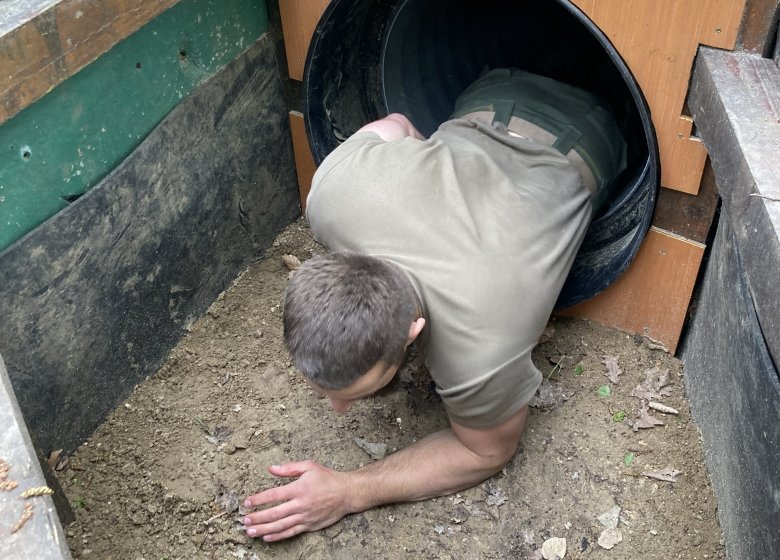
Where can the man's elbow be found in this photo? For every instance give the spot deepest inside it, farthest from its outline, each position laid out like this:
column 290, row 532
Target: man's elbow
column 498, row 458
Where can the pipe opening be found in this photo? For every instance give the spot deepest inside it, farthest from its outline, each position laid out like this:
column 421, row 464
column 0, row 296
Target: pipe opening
column 369, row 58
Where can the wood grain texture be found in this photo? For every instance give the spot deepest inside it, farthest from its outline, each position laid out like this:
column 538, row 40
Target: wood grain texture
column 688, row 215
column 758, row 25
column 49, row 46
column 299, row 20
column 658, row 40
column 304, row 161
column 652, row 297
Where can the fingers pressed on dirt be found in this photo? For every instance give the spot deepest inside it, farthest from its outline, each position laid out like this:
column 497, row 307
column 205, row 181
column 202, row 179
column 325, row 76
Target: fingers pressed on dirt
column 270, row 515
column 267, row 529
column 271, row 496
column 292, row 469
column 297, row 530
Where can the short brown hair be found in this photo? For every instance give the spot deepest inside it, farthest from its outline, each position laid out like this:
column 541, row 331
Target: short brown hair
column 343, row 314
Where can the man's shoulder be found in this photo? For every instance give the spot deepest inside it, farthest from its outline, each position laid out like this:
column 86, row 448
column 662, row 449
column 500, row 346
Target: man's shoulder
column 342, row 153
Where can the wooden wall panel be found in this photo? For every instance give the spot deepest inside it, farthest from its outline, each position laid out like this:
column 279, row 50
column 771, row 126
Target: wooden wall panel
column 304, row 161
column 658, row 40
column 652, row 297
column 299, row 20
column 45, row 48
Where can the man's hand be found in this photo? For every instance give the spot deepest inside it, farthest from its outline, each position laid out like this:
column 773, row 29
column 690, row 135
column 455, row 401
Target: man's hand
column 394, row 126
column 442, row 463
column 317, row 499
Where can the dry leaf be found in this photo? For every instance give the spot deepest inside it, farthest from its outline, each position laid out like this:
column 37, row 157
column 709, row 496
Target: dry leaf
column 219, row 434
column 613, row 370
column 644, row 419
column 54, row 458
column 495, row 497
column 655, row 385
column 548, row 396
column 225, row 499
column 554, row 548
column 609, row 538
column 667, row 475
column 291, row 262
column 548, row 333
column 476, row 511
column 62, row 463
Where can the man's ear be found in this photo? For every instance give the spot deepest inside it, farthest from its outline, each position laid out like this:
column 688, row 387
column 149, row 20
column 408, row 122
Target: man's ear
column 415, row 329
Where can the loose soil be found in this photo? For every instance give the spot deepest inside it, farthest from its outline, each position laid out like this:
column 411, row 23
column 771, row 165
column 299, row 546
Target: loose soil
column 163, row 477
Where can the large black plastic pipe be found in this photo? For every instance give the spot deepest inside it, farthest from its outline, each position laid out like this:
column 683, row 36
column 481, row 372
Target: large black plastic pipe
column 368, row 58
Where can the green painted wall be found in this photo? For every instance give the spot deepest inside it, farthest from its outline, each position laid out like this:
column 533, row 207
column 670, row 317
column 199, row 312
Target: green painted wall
column 65, row 143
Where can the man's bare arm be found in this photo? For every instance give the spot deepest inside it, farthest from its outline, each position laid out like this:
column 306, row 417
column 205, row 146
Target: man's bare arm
column 440, row 464
column 394, row 126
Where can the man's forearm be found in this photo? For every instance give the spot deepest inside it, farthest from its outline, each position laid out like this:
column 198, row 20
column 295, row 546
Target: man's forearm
column 435, row 466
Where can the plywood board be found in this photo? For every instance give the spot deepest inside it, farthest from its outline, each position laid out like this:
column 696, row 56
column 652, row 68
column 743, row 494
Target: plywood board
column 46, row 47
column 658, row 40
column 652, row 297
column 299, row 20
column 304, row 161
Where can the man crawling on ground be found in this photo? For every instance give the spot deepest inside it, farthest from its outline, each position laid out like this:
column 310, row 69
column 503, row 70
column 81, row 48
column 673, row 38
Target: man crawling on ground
column 459, row 243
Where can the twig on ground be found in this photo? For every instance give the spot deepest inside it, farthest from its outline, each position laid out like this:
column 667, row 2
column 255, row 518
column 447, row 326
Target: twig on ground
column 214, row 518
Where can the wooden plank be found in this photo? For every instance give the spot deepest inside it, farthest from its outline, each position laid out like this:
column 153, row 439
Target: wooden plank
column 83, row 130
column 658, row 40
column 688, row 215
column 299, row 20
column 47, row 47
column 304, row 161
column 652, row 297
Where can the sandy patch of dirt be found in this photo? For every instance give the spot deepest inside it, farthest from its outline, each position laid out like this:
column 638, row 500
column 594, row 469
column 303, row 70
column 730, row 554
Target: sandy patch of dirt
column 157, row 478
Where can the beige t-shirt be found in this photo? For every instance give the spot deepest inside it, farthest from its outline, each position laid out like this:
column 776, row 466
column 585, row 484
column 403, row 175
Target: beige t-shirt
column 486, row 226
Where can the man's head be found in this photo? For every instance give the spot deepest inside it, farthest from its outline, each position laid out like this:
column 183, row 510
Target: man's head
column 347, row 321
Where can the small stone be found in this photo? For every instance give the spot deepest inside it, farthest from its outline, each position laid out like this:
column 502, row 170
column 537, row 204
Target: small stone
column 609, row 519
column 375, row 450
column 554, row 549
column 609, row 538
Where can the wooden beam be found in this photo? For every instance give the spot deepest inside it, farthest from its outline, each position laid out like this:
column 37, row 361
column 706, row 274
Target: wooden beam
column 304, row 161
column 44, row 44
column 652, row 297
column 758, row 25
column 299, row 20
column 688, row 215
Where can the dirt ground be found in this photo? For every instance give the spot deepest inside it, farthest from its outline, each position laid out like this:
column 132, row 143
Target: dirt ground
column 163, row 477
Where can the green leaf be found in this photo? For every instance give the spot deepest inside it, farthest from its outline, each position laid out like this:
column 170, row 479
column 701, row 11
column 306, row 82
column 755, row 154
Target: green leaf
column 619, row 416
column 604, row 391
column 579, row 369
column 628, row 458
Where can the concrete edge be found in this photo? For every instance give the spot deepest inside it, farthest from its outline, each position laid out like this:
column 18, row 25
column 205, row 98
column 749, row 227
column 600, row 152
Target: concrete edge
column 735, row 102
column 42, row 535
